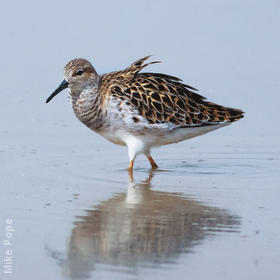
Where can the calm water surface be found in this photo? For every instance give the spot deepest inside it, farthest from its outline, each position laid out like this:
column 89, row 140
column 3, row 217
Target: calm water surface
column 140, row 228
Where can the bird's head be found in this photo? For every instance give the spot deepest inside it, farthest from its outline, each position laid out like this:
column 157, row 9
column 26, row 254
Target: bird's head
column 78, row 74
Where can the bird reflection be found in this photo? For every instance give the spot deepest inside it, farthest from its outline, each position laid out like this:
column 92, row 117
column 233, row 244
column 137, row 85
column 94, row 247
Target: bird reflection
column 141, row 227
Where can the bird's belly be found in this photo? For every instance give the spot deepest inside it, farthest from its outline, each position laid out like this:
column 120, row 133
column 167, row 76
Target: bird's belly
column 113, row 136
column 123, row 125
column 154, row 136
column 176, row 135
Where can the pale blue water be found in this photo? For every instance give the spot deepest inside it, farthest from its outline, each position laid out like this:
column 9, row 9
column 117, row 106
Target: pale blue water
column 211, row 212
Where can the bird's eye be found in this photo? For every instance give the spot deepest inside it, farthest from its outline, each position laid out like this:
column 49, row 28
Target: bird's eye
column 80, row 72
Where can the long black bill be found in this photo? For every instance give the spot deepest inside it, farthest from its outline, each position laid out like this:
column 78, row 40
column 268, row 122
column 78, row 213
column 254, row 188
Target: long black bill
column 61, row 87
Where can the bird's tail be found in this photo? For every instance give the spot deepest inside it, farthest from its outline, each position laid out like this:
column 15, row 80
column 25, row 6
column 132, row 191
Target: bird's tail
column 217, row 113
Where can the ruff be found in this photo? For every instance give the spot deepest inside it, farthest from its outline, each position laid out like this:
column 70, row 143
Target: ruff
column 140, row 110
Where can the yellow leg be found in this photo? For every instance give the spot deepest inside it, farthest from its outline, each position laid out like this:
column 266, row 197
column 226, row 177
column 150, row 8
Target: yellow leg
column 130, row 173
column 130, row 167
column 130, row 170
column 152, row 162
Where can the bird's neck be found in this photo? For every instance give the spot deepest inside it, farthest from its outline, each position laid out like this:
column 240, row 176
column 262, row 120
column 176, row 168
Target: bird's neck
column 87, row 103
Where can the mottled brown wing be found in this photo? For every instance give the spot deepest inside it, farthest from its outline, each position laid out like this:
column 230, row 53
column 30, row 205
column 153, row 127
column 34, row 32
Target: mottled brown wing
column 163, row 98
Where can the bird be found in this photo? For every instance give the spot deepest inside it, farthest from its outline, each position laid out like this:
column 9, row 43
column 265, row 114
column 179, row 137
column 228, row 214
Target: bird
column 140, row 110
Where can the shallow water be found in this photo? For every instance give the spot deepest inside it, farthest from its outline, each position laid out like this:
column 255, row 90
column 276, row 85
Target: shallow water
column 212, row 209
column 140, row 228
column 218, row 212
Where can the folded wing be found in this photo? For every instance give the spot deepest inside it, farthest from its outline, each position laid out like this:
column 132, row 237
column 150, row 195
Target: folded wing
column 163, row 98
